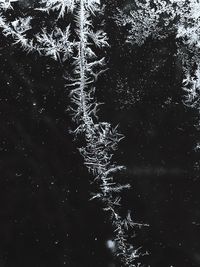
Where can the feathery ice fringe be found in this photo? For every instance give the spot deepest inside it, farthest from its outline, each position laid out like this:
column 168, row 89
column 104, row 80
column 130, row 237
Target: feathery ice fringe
column 100, row 137
column 158, row 19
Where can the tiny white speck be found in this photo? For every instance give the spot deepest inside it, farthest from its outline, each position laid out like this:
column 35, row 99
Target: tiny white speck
column 110, row 244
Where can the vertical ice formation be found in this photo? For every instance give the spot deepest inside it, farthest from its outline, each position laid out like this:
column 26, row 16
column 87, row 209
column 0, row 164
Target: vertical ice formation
column 77, row 43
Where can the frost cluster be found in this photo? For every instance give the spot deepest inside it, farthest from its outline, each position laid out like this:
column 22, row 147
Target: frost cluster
column 158, row 19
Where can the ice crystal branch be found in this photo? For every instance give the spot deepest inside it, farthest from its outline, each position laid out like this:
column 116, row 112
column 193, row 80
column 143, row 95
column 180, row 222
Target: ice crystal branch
column 56, row 44
column 191, row 85
column 6, row 4
column 101, row 139
column 17, row 28
column 59, row 6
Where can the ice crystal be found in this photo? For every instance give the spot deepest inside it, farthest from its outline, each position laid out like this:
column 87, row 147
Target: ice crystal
column 101, row 138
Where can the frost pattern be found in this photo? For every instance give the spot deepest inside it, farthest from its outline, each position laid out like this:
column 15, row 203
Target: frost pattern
column 191, row 85
column 158, row 19
column 147, row 18
column 189, row 33
column 101, row 139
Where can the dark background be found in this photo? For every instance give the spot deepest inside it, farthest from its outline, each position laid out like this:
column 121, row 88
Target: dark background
column 46, row 218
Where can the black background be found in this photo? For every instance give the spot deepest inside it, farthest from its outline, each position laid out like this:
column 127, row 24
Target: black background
column 46, row 218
